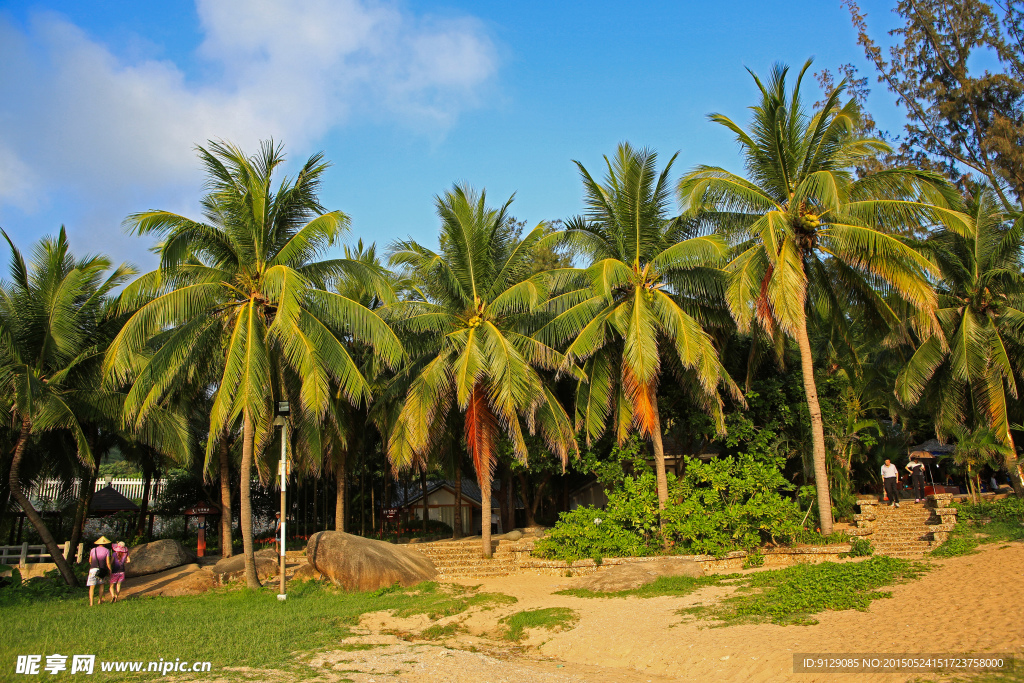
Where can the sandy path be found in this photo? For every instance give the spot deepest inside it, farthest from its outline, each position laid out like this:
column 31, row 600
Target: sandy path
column 980, row 603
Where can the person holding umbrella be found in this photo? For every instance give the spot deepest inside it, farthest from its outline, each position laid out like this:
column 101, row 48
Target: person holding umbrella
column 916, row 469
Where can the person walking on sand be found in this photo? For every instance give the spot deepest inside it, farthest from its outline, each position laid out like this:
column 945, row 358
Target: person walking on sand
column 916, row 469
column 118, row 559
column 890, row 479
column 99, row 568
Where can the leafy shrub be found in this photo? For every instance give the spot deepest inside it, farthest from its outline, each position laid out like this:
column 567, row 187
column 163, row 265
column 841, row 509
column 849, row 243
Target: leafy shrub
column 730, row 503
column 1005, row 510
column 753, row 560
column 587, row 532
column 861, row 547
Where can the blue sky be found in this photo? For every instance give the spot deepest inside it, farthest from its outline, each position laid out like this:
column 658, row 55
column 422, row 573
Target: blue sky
column 100, row 103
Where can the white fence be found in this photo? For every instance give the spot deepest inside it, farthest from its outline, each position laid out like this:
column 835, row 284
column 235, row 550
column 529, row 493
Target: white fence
column 22, row 555
column 53, row 489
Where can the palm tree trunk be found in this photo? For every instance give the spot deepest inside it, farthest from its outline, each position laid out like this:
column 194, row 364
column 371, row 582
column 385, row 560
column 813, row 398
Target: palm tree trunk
column 457, row 513
column 226, row 541
column 1012, row 464
column 659, row 455
column 37, row 521
column 82, row 509
column 817, row 427
column 485, row 511
column 423, row 490
column 339, row 494
column 252, row 579
column 140, row 522
column 316, row 485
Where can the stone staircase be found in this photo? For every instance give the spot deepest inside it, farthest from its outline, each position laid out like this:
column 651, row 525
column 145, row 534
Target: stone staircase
column 908, row 531
column 464, row 558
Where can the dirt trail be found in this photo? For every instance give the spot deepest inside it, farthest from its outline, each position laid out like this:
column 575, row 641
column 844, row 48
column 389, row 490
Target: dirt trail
column 969, row 604
column 963, row 605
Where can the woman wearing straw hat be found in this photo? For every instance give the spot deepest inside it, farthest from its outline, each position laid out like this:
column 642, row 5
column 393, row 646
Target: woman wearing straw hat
column 99, row 568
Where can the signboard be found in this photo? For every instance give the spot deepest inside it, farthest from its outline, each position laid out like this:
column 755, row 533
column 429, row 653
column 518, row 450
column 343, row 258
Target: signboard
column 202, row 510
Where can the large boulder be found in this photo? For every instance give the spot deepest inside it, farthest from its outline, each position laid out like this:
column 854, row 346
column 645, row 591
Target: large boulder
column 158, row 556
column 624, row 577
column 307, row 572
column 232, row 568
column 362, row 564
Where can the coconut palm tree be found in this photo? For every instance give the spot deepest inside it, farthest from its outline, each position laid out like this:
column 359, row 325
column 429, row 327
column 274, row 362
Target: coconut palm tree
column 972, row 379
column 808, row 233
column 974, row 450
column 470, row 345
column 645, row 299
column 50, row 312
column 245, row 289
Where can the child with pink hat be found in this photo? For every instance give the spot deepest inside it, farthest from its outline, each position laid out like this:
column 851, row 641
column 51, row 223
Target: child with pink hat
column 118, row 559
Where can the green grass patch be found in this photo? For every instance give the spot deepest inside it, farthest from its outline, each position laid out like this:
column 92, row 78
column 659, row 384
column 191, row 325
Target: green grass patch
column 968, row 535
column 955, row 547
column 676, row 586
column 228, row 627
column 792, row 595
column 438, row 603
column 549, row 618
column 437, row 632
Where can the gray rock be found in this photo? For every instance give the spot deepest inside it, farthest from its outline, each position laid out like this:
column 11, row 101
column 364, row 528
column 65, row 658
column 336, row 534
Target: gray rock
column 233, row 568
column 362, row 564
column 513, row 535
column 158, row 556
column 624, row 577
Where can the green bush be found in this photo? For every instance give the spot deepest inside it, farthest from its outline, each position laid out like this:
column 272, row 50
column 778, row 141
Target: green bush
column 861, row 547
column 730, row 503
column 587, row 532
column 1005, row 510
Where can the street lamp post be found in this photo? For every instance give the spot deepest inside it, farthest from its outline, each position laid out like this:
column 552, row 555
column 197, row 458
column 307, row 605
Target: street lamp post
column 282, row 421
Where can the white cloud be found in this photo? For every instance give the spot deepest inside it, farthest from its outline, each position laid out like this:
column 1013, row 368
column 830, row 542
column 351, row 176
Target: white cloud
column 75, row 119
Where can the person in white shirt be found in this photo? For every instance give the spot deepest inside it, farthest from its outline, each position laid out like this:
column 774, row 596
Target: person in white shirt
column 890, row 479
column 916, row 469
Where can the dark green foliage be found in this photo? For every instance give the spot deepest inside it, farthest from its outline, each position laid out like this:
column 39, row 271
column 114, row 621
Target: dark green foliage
column 753, row 560
column 1005, row 510
column 861, row 547
column 732, row 502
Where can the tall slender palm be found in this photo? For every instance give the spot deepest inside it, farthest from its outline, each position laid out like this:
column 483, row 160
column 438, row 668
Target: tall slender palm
column 646, row 297
column 473, row 352
column 807, row 232
column 50, row 312
column 244, row 289
column 973, row 379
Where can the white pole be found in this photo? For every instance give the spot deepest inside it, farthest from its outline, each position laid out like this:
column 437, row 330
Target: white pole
column 284, row 480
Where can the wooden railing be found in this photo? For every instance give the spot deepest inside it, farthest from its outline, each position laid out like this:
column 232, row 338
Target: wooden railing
column 26, row 554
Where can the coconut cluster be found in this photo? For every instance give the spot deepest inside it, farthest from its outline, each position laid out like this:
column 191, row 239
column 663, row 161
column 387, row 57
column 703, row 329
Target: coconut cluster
column 475, row 321
column 808, row 221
